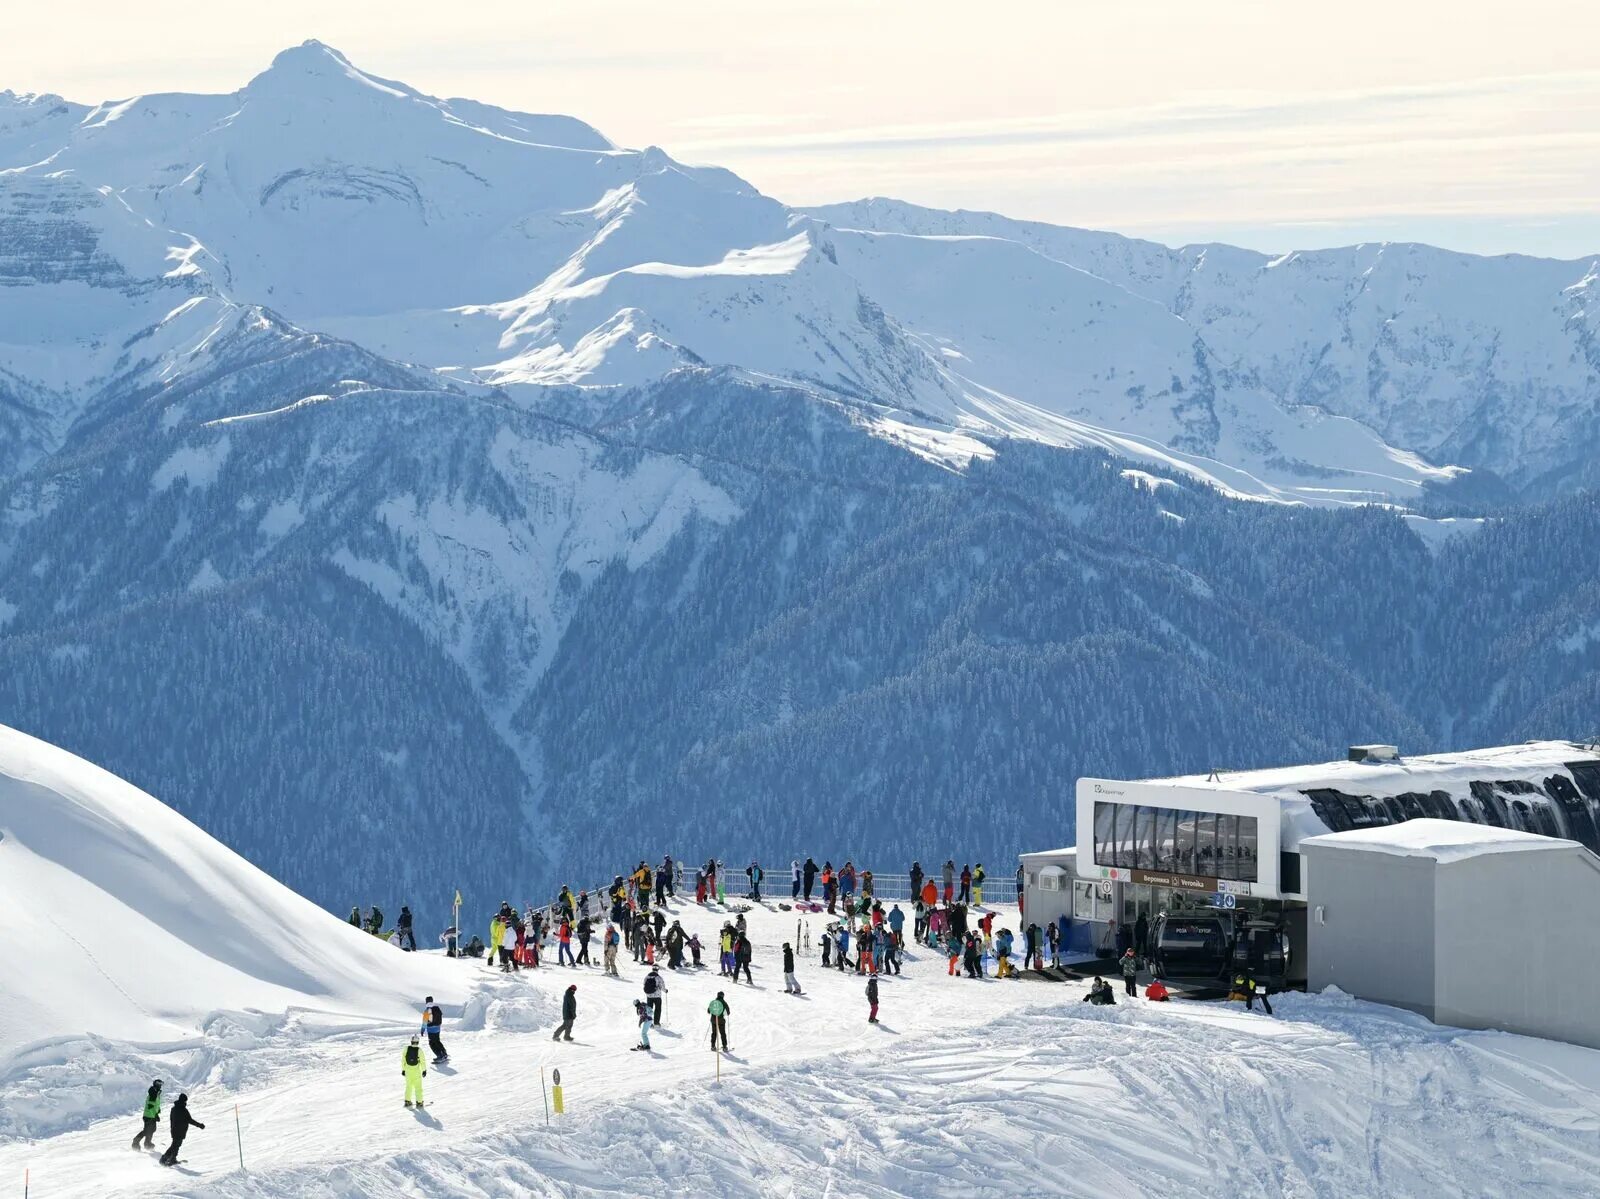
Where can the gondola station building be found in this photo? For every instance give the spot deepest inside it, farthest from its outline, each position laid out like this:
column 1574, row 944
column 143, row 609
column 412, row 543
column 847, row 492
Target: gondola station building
column 1459, row 885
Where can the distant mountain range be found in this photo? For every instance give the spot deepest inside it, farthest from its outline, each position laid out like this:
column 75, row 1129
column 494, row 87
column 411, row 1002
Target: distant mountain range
column 400, row 486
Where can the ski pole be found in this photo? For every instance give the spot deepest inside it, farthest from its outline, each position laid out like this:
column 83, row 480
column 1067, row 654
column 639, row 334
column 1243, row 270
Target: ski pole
column 239, row 1135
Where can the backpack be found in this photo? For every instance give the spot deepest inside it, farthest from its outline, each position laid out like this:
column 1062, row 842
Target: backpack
column 413, row 1055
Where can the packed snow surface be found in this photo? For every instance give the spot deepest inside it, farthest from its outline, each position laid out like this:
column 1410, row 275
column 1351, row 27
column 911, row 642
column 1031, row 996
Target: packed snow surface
column 124, row 921
column 132, row 925
column 1441, row 840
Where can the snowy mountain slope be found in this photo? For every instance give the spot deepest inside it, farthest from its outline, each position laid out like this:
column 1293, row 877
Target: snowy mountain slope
column 1490, row 362
column 527, row 251
column 982, row 1087
column 126, row 921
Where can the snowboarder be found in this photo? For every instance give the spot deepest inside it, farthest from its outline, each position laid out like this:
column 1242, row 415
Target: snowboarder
column 808, row 879
column 151, row 1116
column 642, row 1011
column 408, row 938
column 791, row 985
column 655, row 991
column 432, row 1022
column 180, row 1121
column 569, row 1013
column 411, row 1066
column 718, row 1010
column 872, row 999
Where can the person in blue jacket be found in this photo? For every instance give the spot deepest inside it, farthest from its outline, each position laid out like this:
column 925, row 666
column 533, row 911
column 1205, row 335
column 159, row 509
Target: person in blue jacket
column 843, row 946
column 897, row 921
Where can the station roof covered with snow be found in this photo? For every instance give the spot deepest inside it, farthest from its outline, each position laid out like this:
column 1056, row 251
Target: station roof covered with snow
column 1440, row 840
column 1549, row 788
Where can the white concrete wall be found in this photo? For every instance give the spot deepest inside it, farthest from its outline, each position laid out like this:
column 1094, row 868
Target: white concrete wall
column 1519, row 944
column 1370, row 930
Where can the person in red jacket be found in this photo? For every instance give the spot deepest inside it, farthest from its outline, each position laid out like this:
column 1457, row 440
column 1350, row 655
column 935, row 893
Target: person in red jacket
column 1157, row 990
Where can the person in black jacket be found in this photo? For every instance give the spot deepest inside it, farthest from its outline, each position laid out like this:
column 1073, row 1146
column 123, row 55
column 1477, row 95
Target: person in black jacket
column 569, row 1013
column 791, row 985
column 585, row 931
column 182, row 1121
column 741, row 959
column 916, row 881
column 872, row 998
column 408, row 938
column 808, row 877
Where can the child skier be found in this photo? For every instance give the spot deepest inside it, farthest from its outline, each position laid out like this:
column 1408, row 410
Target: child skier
column 411, row 1066
column 872, row 999
column 643, row 1012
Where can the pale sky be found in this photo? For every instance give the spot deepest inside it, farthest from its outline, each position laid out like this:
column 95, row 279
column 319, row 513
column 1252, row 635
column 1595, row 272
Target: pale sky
column 1271, row 123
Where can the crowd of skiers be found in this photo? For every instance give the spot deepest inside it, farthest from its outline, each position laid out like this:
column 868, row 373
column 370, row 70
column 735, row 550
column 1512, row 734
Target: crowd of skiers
column 947, row 915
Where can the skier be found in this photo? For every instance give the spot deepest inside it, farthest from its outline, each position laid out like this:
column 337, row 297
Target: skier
column 610, row 942
column 643, row 1012
column 564, row 944
column 585, row 931
column 1130, row 972
column 842, row 946
column 741, row 959
column 675, row 940
column 432, row 1023
column 180, row 1121
column 569, row 1013
column 872, row 999
column 718, row 1010
column 411, row 1066
column 966, row 884
column 694, row 949
column 151, row 1116
column 725, row 949
column 791, row 985
column 497, row 934
column 978, row 875
column 808, row 878
column 408, row 939
column 663, row 881
column 949, row 881
column 655, row 990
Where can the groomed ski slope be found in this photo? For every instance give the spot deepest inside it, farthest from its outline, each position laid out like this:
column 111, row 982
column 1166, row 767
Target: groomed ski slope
column 967, row 1088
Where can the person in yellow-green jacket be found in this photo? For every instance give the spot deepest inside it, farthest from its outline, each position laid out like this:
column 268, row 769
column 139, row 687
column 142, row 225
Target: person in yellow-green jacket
column 412, row 1067
column 497, row 935
column 152, row 1117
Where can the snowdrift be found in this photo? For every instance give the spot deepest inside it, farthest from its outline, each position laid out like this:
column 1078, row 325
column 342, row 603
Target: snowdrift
column 127, row 922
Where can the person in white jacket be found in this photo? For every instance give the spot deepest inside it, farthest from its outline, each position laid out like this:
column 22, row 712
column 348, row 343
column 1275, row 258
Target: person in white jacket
column 794, row 887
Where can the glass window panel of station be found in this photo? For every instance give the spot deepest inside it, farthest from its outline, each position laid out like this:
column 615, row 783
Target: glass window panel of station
column 1227, row 845
column 1205, row 844
column 1145, row 839
column 1248, row 849
column 1166, row 839
column 1104, row 815
column 1186, row 834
